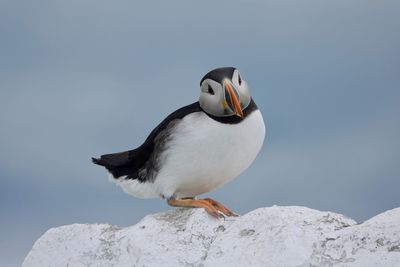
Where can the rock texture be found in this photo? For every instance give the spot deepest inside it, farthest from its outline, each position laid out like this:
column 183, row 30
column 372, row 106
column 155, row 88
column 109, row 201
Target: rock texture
column 275, row 236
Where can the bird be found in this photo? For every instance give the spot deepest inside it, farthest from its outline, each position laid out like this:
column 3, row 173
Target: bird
column 197, row 148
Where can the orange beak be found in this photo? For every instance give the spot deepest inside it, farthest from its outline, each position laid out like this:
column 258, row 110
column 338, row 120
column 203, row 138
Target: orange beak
column 232, row 98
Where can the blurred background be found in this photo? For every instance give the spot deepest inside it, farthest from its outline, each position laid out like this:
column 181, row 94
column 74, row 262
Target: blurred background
column 83, row 78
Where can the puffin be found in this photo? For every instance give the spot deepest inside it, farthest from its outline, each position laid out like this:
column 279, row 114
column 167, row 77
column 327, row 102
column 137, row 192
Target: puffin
column 197, row 148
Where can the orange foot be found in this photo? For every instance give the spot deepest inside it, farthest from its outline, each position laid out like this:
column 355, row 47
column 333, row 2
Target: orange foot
column 220, row 207
column 211, row 206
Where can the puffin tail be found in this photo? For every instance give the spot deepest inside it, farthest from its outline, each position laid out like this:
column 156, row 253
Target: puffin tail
column 111, row 169
column 118, row 164
column 98, row 161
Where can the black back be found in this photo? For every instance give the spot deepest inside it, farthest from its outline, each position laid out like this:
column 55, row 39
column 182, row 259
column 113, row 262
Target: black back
column 141, row 163
column 130, row 163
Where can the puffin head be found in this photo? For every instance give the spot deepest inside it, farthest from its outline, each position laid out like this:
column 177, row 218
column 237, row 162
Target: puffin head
column 224, row 92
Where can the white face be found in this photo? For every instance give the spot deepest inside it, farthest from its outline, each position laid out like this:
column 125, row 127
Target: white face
column 226, row 98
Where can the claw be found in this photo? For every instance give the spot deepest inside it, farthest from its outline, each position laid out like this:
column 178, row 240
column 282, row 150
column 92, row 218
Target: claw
column 215, row 214
column 201, row 203
column 211, row 206
column 217, row 205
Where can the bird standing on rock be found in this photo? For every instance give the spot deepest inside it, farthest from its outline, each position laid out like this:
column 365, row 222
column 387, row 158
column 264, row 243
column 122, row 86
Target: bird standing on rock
column 197, row 148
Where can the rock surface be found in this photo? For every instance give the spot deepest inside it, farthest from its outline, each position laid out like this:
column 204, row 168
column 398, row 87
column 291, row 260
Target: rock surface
column 274, row 236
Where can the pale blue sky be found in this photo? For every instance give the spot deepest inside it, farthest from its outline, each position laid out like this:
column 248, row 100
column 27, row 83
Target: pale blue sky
column 83, row 78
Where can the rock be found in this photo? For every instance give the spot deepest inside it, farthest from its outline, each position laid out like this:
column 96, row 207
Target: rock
column 274, row 236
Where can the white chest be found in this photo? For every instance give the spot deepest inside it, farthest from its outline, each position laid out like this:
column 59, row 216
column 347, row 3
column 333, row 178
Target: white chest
column 204, row 154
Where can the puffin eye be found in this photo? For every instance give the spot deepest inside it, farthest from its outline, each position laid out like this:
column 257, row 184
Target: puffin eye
column 210, row 90
column 239, row 79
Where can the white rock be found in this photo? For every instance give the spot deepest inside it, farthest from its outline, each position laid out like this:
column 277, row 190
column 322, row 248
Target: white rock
column 275, row 236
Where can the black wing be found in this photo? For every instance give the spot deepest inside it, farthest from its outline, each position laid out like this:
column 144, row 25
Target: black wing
column 130, row 162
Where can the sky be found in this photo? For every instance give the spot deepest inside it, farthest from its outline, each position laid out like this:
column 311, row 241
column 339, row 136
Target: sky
column 84, row 78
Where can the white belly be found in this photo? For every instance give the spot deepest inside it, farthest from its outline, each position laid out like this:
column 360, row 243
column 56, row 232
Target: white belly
column 205, row 154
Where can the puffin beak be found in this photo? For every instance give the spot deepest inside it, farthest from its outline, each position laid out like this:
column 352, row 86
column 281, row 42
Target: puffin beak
column 232, row 98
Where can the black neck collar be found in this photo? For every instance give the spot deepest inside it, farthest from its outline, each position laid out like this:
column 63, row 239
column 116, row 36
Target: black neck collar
column 234, row 119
